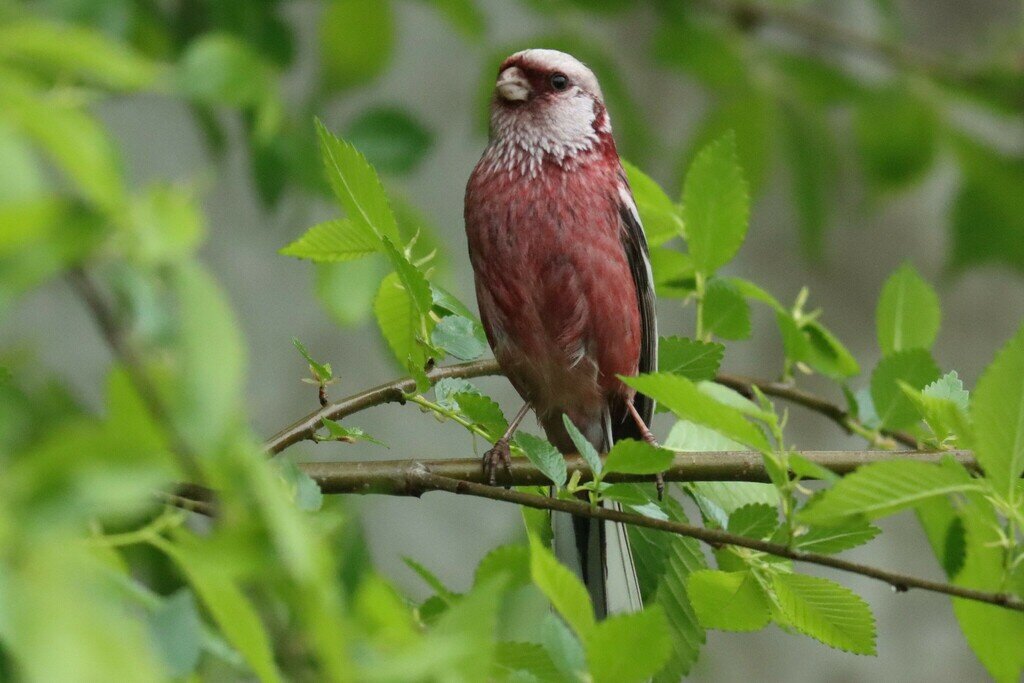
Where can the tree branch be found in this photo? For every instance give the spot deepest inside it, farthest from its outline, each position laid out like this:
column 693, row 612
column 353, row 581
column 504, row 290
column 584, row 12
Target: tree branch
column 419, row 479
column 395, row 391
column 391, row 477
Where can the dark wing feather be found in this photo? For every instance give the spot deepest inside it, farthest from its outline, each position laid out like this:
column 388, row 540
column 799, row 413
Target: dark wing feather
column 635, row 243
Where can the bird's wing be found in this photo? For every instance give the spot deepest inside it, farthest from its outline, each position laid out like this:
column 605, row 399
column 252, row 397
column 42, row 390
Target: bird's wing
column 635, row 243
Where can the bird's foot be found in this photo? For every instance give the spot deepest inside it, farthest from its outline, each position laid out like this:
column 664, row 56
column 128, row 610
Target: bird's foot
column 498, row 455
column 659, row 480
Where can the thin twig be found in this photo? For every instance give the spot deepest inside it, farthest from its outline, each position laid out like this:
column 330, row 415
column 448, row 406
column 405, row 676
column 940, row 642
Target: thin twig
column 422, row 480
column 395, row 391
column 112, row 332
column 391, row 477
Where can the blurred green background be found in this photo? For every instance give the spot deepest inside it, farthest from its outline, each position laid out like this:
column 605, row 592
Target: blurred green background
column 873, row 132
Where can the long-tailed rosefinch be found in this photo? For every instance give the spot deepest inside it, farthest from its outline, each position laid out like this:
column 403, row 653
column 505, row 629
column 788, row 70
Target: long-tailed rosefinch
column 563, row 283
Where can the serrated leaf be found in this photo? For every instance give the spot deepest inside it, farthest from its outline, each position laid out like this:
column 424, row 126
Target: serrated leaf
column 566, row 593
column 725, row 313
column 690, row 358
column 637, row 457
column 483, row 411
column 998, row 414
column 882, row 488
column 949, row 387
column 339, row 432
column 447, row 387
column 826, row 611
column 660, row 216
column 459, row 337
column 544, row 457
column 356, row 185
column 334, row 241
column 728, row 601
column 644, row 635
column 716, row 205
column 583, row 447
column 908, row 312
column 753, row 520
column 835, row 539
column 916, row 368
column 688, row 402
column 398, row 319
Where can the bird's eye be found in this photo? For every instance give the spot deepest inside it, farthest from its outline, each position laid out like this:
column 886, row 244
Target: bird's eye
column 559, row 81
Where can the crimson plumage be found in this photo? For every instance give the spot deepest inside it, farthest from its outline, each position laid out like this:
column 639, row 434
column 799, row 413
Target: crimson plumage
column 562, row 275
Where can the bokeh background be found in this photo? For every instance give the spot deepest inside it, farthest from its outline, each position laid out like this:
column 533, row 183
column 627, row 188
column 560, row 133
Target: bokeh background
column 831, row 213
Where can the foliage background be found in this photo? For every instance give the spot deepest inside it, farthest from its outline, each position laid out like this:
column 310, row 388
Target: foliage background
column 434, row 72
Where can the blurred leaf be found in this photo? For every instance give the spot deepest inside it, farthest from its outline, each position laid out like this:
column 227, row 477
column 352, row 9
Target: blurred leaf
column 882, row 488
column 347, row 290
column 673, row 273
column 217, row 68
column 914, row 367
column 643, row 635
column 998, row 414
column 392, row 140
column 166, row 224
column 459, row 337
column 660, row 217
column 835, row 539
column 725, row 313
column 583, row 447
column 701, row 50
column 430, row 579
column 749, row 115
column 63, row 50
column 728, row 601
column 819, row 82
column 544, row 457
column 305, row 491
column 908, row 312
column 715, row 205
column 811, row 153
column 511, row 560
column 467, row 18
column 826, row 611
column 683, row 398
column 690, row 358
column 566, row 593
column 753, row 520
column 336, row 240
column 637, row 457
column 177, row 629
column 896, row 136
column 356, row 41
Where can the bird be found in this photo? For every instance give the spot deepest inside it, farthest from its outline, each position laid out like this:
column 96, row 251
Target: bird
column 564, row 286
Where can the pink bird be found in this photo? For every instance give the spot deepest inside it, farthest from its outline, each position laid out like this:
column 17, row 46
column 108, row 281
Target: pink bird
column 563, row 284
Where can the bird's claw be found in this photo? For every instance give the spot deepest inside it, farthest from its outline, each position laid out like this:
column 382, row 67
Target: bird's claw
column 499, row 454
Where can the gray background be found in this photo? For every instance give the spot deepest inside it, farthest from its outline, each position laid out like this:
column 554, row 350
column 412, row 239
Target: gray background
column 435, row 74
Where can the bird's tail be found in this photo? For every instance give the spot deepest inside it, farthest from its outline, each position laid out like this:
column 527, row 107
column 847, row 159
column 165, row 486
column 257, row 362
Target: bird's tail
column 598, row 551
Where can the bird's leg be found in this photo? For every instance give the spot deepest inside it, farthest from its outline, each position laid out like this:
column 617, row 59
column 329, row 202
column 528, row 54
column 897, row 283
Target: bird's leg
column 659, row 481
column 500, row 452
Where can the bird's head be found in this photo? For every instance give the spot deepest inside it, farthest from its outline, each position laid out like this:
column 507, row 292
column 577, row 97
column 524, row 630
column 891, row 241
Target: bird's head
column 547, row 102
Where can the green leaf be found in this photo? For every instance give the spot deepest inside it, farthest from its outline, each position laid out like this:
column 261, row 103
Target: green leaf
column 728, row 601
column 716, row 205
column 908, row 312
column 826, row 354
column 218, row 68
column 398, row 319
column 356, row 41
column 464, row 15
column 392, row 140
column 583, row 447
column 637, row 457
column 511, row 560
column 882, row 488
column 807, row 469
column 544, row 457
column 356, row 185
column 811, row 152
column 826, row 611
column 321, row 371
column 347, row 290
column 700, row 49
column 482, row 411
column 690, row 358
column 943, row 404
column 660, row 216
column 914, row 367
column 566, row 593
column 643, row 635
column 234, row 614
column 750, row 114
column 754, row 520
column 459, row 337
column 835, row 539
column 896, row 136
column 305, row 491
column 339, row 432
column 683, row 398
column 177, row 630
column 430, row 579
column 725, row 313
column 528, row 659
column 333, row 241
column 998, row 414
column 950, row 388
column 673, row 273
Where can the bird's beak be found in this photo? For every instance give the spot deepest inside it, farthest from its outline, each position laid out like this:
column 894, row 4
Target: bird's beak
column 512, row 86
